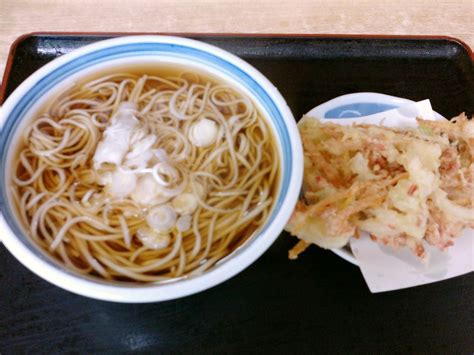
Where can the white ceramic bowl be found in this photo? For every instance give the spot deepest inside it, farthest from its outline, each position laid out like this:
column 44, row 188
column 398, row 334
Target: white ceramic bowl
column 146, row 50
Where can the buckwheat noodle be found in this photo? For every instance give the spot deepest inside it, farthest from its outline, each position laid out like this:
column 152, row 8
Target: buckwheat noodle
column 70, row 214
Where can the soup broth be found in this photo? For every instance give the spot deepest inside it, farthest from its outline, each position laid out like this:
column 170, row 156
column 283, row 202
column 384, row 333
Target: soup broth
column 147, row 174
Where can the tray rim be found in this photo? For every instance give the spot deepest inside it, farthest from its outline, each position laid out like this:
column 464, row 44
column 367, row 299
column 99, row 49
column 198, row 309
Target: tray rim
column 21, row 38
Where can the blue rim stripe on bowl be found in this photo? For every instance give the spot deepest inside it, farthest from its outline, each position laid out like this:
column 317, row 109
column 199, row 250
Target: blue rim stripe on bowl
column 131, row 50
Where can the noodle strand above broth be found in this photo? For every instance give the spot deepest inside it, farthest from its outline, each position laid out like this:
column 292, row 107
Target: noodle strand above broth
column 145, row 177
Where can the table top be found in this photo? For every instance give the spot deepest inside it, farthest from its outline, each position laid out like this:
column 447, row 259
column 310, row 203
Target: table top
column 414, row 17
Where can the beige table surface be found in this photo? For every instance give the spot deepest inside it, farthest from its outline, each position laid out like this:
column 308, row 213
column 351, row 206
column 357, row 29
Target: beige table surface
column 415, row 17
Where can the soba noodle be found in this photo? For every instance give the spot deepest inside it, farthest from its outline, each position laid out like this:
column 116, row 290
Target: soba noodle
column 145, row 178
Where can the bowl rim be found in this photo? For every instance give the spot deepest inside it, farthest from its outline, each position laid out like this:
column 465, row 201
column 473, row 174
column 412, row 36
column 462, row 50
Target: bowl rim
column 133, row 293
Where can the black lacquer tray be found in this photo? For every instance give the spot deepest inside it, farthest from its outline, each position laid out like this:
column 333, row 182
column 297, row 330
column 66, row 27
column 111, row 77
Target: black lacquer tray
column 318, row 303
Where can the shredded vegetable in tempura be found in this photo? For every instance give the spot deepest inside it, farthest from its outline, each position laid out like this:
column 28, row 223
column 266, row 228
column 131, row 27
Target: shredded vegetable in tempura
column 402, row 187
